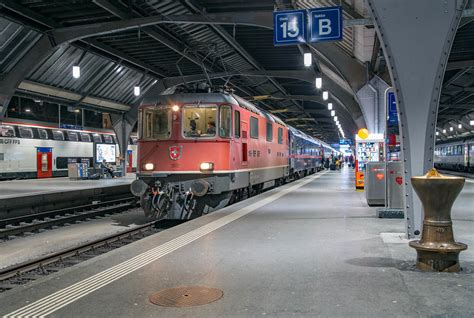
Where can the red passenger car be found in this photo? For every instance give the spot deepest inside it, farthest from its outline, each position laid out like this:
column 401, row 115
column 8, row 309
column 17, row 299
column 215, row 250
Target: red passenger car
column 197, row 151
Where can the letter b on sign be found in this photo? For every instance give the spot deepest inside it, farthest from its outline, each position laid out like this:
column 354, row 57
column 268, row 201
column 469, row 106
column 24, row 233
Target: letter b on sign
column 325, row 24
column 324, row 27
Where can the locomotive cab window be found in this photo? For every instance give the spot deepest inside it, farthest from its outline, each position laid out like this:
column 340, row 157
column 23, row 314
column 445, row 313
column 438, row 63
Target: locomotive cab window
column 156, row 124
column 25, row 132
column 225, row 121
column 200, row 121
column 237, row 124
column 253, row 127
column 7, row 131
column 269, row 132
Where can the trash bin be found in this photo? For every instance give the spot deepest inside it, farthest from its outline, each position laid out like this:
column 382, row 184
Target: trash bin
column 375, row 183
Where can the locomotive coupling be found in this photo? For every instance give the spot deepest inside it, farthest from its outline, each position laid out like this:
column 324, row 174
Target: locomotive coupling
column 436, row 250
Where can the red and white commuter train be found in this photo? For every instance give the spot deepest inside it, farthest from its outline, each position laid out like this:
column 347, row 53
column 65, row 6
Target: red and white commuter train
column 199, row 151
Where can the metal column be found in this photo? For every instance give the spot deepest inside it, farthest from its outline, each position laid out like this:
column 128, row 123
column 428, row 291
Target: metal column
column 123, row 128
column 416, row 37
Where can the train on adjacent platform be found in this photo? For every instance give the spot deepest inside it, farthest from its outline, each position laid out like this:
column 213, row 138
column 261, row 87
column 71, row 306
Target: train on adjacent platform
column 39, row 150
column 198, row 152
column 456, row 155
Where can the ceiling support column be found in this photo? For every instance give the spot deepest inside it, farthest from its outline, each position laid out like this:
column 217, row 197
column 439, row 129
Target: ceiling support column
column 416, row 37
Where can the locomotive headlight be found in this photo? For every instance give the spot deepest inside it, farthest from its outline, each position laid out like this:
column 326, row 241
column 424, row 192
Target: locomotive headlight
column 148, row 166
column 206, row 166
column 175, row 108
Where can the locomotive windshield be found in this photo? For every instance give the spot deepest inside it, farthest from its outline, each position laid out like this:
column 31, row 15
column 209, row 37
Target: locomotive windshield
column 199, row 121
column 156, row 123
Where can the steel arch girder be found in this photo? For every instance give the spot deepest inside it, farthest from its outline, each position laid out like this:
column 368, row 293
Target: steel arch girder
column 9, row 83
column 417, row 78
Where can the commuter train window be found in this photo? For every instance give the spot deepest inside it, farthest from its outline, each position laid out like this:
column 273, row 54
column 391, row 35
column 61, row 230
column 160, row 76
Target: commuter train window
column 269, row 132
column 225, row 121
column 72, row 136
column 108, row 139
column 237, row 124
column 280, row 135
column 58, row 135
column 43, row 134
column 7, row 131
column 96, row 138
column 253, row 127
column 85, row 137
column 156, row 123
column 460, row 152
column 25, row 132
column 2, row 156
column 200, row 121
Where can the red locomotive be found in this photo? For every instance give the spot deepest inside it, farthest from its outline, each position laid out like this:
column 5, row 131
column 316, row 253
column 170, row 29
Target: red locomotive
column 199, row 151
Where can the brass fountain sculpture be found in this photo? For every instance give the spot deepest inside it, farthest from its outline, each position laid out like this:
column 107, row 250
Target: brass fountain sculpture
column 436, row 250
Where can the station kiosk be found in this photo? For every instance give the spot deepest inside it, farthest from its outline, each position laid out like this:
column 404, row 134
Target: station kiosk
column 369, row 148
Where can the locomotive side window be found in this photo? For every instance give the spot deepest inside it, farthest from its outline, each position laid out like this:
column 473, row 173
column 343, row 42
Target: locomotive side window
column 280, row 135
column 7, row 131
column 58, row 135
column 85, row 137
column 253, row 127
column 43, row 134
column 156, row 124
column 225, row 121
column 200, row 121
column 25, row 132
column 237, row 124
column 269, row 132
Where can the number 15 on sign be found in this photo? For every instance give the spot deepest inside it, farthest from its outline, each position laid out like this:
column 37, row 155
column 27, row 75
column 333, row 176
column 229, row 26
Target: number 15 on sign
column 290, row 27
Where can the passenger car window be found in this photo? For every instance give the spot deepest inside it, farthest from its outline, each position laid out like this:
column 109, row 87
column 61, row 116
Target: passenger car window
column 96, row 138
column 253, row 127
column 7, row 131
column 58, row 135
column 269, row 132
column 25, row 132
column 72, row 136
column 85, row 137
column 43, row 134
column 108, row 139
column 225, row 121
column 237, row 124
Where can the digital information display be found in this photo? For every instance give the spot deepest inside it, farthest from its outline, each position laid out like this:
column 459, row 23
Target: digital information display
column 105, row 151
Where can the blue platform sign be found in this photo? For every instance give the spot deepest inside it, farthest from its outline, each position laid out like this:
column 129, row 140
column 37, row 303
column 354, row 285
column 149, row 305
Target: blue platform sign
column 392, row 108
column 325, row 24
column 345, row 141
column 289, row 27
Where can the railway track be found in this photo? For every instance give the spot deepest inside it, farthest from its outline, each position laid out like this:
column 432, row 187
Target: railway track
column 28, row 224
column 24, row 273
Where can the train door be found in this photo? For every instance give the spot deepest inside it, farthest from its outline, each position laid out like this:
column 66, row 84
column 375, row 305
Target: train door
column 244, row 127
column 44, row 162
column 130, row 160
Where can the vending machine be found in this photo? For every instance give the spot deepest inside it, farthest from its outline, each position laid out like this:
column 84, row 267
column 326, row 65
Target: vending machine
column 369, row 149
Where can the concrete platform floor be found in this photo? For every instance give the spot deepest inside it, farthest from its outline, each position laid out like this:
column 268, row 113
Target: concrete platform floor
column 308, row 249
column 19, row 188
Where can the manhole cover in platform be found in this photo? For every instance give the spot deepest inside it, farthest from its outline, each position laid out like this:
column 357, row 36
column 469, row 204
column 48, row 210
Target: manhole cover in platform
column 186, row 296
